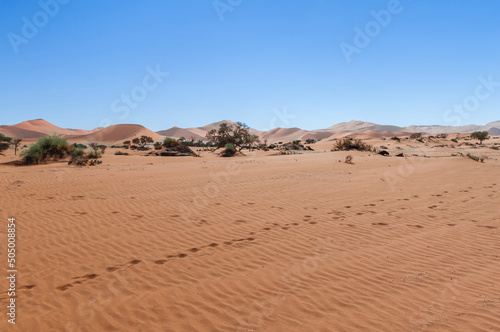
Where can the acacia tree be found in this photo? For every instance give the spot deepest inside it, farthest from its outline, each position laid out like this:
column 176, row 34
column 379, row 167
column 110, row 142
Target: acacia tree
column 4, row 142
column 480, row 135
column 145, row 140
column 15, row 143
column 237, row 134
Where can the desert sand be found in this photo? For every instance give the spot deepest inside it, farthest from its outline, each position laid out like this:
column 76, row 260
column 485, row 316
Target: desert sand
column 261, row 242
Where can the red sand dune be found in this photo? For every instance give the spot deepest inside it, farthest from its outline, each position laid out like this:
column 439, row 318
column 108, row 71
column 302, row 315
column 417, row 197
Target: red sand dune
column 181, row 132
column 116, row 134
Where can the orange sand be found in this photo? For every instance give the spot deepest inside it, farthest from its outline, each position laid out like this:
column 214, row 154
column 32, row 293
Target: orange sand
column 257, row 243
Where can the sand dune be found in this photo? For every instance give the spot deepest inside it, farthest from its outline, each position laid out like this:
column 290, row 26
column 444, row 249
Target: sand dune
column 197, row 244
column 14, row 132
column 116, row 134
column 180, row 132
column 38, row 128
column 357, row 126
column 198, row 133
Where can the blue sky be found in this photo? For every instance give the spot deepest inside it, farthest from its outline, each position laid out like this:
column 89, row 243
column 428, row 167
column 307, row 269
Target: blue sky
column 266, row 63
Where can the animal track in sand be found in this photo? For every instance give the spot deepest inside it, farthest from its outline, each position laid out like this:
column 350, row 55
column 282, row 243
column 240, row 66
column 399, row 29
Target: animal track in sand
column 27, row 287
column 79, row 280
column 21, row 288
column 122, row 266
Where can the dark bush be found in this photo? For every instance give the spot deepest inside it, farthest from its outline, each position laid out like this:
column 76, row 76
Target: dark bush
column 346, row 144
column 4, row 143
column 415, row 135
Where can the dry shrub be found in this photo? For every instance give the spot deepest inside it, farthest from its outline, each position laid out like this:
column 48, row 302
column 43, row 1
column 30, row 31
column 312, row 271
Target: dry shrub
column 347, row 144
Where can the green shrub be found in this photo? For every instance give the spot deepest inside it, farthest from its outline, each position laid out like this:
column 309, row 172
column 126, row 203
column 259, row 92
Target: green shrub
column 94, row 154
column 454, row 140
column 229, row 151
column 170, row 142
column 46, row 147
column 119, row 153
column 78, row 152
column 31, row 156
column 346, row 144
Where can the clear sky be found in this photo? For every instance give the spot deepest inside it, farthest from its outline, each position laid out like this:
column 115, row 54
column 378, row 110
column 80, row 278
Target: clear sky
column 301, row 63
